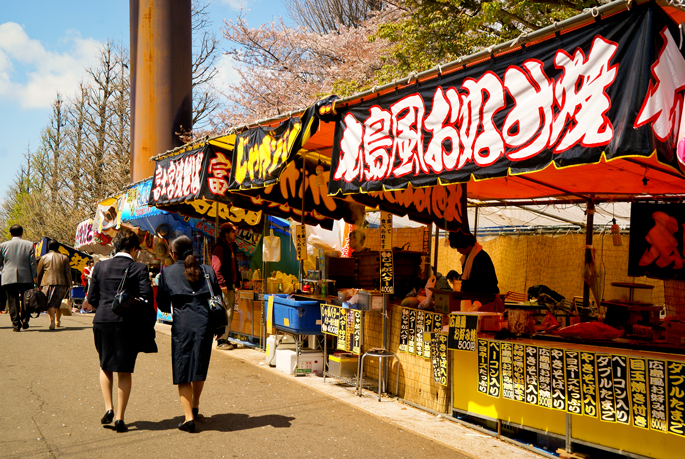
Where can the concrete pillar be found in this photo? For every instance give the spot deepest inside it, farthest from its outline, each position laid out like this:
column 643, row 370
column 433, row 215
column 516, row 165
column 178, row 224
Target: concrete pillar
column 161, row 79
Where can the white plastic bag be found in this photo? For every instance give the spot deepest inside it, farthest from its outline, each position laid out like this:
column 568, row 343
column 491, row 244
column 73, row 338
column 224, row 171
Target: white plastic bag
column 272, row 248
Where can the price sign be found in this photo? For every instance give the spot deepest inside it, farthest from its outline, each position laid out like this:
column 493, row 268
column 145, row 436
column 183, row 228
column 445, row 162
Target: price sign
column 545, row 377
column 301, row 242
column 588, row 383
column 330, row 318
column 573, row 391
column 462, row 332
column 637, row 370
column 657, row 395
column 386, row 231
column 532, row 386
column 387, row 272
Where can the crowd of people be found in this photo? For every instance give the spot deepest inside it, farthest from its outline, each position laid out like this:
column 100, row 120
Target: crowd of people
column 119, row 291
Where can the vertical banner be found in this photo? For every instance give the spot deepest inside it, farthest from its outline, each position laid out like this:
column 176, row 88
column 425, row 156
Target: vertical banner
column 411, row 340
column 638, row 391
column 545, row 377
column 558, row 380
column 387, row 272
column 506, row 357
column 428, row 328
column 301, row 242
column 675, row 377
column 483, row 366
column 657, row 395
column 519, row 373
column 420, row 317
column 386, row 231
column 404, row 330
column 493, row 369
column 270, row 315
column 574, row 396
column 619, row 367
column 342, row 330
column 588, row 383
column 605, row 380
column 532, row 386
column 439, row 359
column 357, row 335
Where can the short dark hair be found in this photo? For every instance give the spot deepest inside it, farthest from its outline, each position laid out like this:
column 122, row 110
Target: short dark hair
column 125, row 240
column 226, row 228
column 16, row 230
column 459, row 239
column 453, row 275
column 53, row 245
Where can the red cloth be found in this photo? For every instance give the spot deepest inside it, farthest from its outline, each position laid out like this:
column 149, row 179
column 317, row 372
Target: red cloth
column 84, row 276
column 225, row 265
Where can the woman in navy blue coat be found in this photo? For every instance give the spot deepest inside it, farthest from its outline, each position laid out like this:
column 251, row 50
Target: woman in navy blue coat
column 183, row 286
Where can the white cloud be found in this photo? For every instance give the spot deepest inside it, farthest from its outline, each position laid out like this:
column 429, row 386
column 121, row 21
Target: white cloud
column 31, row 75
column 228, row 75
column 235, row 4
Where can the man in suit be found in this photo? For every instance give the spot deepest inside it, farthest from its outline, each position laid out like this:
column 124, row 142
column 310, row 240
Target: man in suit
column 18, row 263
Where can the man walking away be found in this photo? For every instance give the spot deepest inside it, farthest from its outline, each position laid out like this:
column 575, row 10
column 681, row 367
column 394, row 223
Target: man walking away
column 54, row 278
column 18, row 262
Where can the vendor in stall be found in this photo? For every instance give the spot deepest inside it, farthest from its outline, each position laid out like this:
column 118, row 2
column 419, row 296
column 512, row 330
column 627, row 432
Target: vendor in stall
column 478, row 272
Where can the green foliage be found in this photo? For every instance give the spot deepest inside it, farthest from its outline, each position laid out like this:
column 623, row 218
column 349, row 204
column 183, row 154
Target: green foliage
column 434, row 32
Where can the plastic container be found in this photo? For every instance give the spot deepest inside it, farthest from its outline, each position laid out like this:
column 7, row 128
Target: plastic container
column 309, row 361
column 299, row 315
column 343, row 365
column 284, row 342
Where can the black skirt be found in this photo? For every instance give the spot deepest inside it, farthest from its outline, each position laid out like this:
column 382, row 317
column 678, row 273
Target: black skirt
column 116, row 345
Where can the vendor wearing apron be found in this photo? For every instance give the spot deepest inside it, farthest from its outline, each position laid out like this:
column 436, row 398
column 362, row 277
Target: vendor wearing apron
column 478, row 273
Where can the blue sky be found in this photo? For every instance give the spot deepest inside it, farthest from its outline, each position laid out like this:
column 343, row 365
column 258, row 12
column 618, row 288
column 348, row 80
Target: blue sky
column 45, row 46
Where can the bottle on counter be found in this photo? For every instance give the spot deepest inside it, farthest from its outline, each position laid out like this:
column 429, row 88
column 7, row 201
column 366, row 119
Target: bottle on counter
column 324, row 289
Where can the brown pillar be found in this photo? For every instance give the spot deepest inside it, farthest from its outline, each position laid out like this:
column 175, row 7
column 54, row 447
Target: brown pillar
column 161, row 79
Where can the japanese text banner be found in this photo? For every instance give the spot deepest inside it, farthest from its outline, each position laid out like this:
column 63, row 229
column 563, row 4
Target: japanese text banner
column 613, row 87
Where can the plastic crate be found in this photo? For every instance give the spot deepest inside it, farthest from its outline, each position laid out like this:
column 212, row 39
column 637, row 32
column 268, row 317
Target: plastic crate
column 299, row 315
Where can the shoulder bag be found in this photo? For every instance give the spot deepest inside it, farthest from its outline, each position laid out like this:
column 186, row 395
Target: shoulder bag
column 123, row 300
column 217, row 310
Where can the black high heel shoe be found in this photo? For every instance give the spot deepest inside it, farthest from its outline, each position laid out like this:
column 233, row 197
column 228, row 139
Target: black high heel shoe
column 108, row 417
column 188, row 426
column 196, row 412
column 120, row 426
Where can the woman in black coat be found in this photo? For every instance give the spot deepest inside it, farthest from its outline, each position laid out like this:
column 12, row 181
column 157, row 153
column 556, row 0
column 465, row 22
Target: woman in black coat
column 183, row 285
column 119, row 339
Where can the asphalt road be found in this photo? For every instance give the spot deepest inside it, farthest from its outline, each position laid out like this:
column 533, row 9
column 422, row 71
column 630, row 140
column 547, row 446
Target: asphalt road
column 51, row 405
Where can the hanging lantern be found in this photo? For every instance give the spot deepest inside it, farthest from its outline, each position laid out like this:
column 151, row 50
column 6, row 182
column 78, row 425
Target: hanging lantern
column 616, row 233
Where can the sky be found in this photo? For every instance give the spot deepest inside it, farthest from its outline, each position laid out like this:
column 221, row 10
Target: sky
column 45, row 47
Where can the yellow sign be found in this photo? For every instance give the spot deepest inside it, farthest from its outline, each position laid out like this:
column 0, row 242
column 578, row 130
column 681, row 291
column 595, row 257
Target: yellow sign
column 386, row 231
column 301, row 242
column 270, row 315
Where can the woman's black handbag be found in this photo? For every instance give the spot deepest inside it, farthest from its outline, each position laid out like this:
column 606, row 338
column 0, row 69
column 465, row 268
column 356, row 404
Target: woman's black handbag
column 217, row 311
column 123, row 300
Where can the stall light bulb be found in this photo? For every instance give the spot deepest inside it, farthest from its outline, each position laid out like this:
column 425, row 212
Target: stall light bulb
column 319, row 175
column 616, row 234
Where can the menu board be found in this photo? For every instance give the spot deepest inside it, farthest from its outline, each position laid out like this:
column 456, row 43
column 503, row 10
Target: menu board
column 439, row 359
column 411, row 340
column 519, row 373
column 507, row 357
column 644, row 393
column 418, row 333
column 462, row 332
column 493, row 369
column 675, row 378
column 342, row 332
column 428, row 328
column 387, row 272
column 531, row 356
column 356, row 345
column 588, row 383
column 483, row 366
column 545, row 377
column 404, row 330
column 330, row 318
column 619, row 371
column 657, row 395
column 637, row 370
column 346, row 324
column 558, row 380
column 574, row 396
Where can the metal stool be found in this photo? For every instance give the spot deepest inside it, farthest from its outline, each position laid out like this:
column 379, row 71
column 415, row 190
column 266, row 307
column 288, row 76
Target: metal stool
column 380, row 354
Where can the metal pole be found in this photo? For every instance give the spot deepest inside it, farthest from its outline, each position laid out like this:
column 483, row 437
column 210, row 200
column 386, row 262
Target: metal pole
column 437, row 245
column 588, row 257
column 304, row 162
column 569, row 447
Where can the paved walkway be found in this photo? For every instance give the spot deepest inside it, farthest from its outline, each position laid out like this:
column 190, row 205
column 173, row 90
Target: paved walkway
column 51, row 404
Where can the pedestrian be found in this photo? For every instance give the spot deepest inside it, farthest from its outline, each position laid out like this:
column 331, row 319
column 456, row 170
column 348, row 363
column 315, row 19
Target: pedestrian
column 85, row 275
column 184, row 286
column 54, row 278
column 119, row 339
column 18, row 264
column 225, row 264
